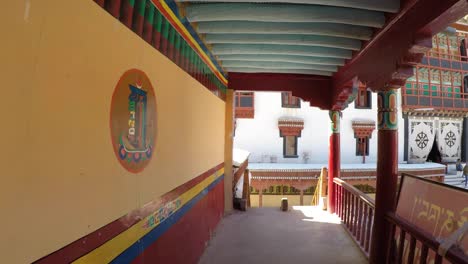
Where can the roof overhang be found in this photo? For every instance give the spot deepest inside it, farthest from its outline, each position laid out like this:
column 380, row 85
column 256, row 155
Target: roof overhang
column 318, row 49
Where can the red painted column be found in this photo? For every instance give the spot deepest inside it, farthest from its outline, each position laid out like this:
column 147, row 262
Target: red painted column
column 333, row 158
column 387, row 174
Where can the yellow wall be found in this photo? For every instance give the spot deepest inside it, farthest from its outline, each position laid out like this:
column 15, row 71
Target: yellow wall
column 275, row 200
column 60, row 180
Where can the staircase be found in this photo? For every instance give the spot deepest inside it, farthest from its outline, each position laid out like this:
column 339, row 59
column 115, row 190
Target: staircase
column 451, row 177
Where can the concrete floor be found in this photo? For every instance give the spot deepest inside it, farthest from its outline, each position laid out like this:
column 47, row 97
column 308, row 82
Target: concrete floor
column 305, row 234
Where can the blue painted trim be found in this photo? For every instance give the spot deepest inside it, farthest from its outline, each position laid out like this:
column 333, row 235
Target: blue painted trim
column 137, row 248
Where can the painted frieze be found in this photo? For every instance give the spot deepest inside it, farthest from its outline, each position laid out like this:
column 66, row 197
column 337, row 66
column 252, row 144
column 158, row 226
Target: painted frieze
column 133, row 120
column 387, row 110
column 449, row 139
column 421, row 135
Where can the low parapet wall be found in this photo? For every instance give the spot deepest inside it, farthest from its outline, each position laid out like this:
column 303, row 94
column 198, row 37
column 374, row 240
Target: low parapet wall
column 303, row 176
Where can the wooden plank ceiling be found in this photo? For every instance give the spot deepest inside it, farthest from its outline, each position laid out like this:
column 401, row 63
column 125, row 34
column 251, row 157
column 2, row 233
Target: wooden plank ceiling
column 325, row 43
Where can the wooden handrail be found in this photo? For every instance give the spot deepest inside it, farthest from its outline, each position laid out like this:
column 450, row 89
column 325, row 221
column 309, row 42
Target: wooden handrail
column 454, row 254
column 356, row 210
column 366, row 198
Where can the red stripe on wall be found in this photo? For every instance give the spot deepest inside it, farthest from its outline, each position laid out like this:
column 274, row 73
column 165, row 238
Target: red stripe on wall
column 147, row 31
column 156, row 39
column 127, row 14
column 164, row 46
column 179, row 29
column 185, row 241
column 113, row 7
column 138, row 24
column 95, row 239
column 99, row 2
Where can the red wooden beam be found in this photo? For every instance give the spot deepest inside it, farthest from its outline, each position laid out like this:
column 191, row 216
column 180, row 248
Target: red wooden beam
column 381, row 59
column 312, row 88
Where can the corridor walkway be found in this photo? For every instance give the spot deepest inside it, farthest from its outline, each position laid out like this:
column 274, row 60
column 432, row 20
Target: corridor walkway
column 305, row 234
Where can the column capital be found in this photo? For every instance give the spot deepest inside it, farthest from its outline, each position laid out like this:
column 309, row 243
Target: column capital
column 387, row 117
column 335, row 121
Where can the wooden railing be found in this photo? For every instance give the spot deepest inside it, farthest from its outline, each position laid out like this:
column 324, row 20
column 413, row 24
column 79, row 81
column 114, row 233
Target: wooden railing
column 320, row 189
column 356, row 210
column 409, row 244
column 422, row 246
column 425, row 98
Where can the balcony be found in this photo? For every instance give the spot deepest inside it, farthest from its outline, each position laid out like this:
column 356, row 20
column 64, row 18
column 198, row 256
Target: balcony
column 428, row 95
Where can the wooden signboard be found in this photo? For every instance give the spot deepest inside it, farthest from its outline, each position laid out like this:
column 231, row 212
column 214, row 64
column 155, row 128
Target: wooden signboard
column 437, row 208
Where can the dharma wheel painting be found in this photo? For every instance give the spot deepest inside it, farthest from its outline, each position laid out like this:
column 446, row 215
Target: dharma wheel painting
column 423, row 133
column 133, row 120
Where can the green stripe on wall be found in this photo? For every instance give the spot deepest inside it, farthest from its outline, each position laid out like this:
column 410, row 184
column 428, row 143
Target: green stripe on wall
column 158, row 21
column 140, row 7
column 165, row 29
column 149, row 16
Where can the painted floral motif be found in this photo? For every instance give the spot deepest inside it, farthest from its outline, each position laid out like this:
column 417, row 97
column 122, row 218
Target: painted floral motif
column 387, row 116
column 162, row 213
column 335, row 121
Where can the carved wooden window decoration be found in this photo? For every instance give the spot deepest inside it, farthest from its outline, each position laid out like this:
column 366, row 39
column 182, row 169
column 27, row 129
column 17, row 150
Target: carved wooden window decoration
column 363, row 132
column 290, row 130
column 363, row 98
column 290, row 101
column 244, row 104
column 362, row 146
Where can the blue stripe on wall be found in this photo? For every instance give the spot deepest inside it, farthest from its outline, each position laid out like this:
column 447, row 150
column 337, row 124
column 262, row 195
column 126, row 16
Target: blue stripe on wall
column 137, row 248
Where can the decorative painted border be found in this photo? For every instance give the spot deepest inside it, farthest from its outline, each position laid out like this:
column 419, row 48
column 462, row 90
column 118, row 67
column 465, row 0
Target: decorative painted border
column 387, row 117
column 335, row 121
column 125, row 238
column 159, row 23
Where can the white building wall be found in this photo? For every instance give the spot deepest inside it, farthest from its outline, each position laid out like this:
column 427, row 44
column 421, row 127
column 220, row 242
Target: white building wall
column 261, row 137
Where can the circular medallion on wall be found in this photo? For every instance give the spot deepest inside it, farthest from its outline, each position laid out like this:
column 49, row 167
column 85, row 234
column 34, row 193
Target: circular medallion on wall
column 133, row 120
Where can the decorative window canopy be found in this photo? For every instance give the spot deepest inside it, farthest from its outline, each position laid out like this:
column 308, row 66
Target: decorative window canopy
column 290, row 126
column 363, row 128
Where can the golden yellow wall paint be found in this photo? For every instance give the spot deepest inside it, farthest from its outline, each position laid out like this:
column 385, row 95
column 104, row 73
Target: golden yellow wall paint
column 60, row 178
column 228, row 150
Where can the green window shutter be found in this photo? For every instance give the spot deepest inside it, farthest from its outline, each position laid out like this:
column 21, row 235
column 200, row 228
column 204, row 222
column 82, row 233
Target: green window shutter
column 426, row 89
column 434, row 90
column 449, row 92
column 409, row 88
column 457, row 92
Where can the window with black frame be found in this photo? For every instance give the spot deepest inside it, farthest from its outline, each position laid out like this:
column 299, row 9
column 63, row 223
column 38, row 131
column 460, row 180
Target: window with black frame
column 290, row 101
column 362, row 146
column 363, row 99
column 290, row 146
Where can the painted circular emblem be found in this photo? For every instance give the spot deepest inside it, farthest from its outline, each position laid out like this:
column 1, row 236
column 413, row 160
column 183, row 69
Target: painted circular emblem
column 133, row 120
column 421, row 140
column 450, row 139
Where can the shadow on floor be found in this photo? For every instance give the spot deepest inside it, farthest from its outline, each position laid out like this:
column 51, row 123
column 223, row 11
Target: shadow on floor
column 304, row 234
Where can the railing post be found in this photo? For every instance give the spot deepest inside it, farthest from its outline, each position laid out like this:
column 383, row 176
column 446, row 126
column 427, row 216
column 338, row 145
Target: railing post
column 333, row 158
column 387, row 173
column 260, row 197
